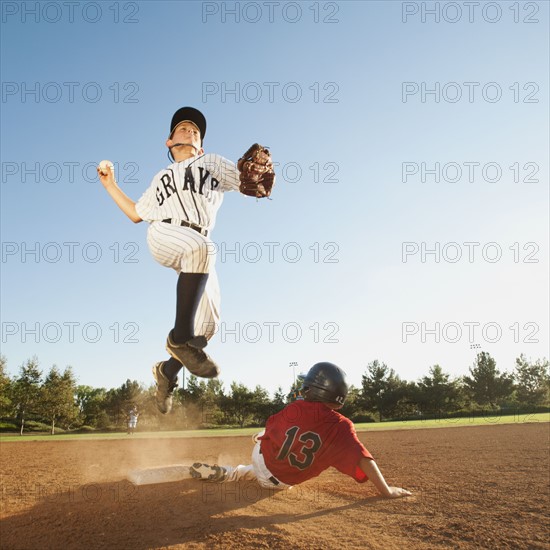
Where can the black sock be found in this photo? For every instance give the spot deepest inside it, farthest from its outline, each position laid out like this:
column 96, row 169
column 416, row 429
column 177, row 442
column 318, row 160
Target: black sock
column 190, row 289
column 171, row 367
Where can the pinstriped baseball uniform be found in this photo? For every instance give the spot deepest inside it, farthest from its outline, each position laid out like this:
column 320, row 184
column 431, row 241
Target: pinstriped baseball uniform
column 191, row 192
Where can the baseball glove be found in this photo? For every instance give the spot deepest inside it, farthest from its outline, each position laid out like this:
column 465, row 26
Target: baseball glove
column 256, row 172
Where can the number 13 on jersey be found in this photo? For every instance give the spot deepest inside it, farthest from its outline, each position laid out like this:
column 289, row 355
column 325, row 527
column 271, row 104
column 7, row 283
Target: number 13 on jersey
column 311, row 443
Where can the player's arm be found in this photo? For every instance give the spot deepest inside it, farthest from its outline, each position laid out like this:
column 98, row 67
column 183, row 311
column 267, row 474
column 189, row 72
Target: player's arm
column 123, row 201
column 223, row 170
column 370, row 468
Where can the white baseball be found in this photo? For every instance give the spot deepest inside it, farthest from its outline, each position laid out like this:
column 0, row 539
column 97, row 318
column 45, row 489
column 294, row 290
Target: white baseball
column 103, row 167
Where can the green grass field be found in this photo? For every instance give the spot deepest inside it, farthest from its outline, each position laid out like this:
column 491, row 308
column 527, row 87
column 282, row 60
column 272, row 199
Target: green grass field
column 458, row 422
column 233, row 432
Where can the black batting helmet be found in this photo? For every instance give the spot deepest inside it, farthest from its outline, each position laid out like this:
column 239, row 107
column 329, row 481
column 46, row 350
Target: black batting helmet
column 325, row 382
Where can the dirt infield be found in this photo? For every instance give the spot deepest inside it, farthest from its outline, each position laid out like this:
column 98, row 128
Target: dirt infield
column 474, row 487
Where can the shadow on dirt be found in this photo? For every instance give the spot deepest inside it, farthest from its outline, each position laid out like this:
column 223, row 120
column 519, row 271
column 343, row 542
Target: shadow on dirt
column 123, row 516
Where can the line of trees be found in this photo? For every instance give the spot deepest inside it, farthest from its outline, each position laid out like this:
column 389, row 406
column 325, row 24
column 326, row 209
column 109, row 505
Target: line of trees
column 31, row 400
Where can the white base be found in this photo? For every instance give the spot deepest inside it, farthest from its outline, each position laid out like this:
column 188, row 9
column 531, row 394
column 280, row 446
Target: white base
column 161, row 474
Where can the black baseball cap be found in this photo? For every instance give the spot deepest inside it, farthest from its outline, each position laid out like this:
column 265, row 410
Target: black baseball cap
column 192, row 114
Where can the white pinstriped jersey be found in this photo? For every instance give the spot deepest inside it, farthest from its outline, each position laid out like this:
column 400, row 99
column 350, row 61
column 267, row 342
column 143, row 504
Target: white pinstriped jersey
column 191, row 190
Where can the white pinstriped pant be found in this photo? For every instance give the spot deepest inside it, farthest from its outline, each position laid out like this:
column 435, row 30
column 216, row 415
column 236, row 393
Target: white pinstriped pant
column 187, row 251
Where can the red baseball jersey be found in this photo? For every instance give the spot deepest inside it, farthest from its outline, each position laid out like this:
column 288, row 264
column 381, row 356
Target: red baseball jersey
column 306, row 438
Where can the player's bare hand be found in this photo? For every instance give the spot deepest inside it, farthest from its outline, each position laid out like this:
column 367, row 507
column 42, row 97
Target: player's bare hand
column 106, row 173
column 398, row 492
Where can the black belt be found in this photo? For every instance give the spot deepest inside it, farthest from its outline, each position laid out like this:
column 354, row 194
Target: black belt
column 194, row 226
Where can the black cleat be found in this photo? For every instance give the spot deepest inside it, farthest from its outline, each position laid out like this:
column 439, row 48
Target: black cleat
column 205, row 472
column 165, row 388
column 192, row 356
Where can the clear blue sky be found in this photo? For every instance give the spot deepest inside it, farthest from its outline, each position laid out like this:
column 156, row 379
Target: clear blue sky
column 359, row 102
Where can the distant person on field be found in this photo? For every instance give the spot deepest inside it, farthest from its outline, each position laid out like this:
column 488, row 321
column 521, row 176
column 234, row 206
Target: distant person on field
column 132, row 420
